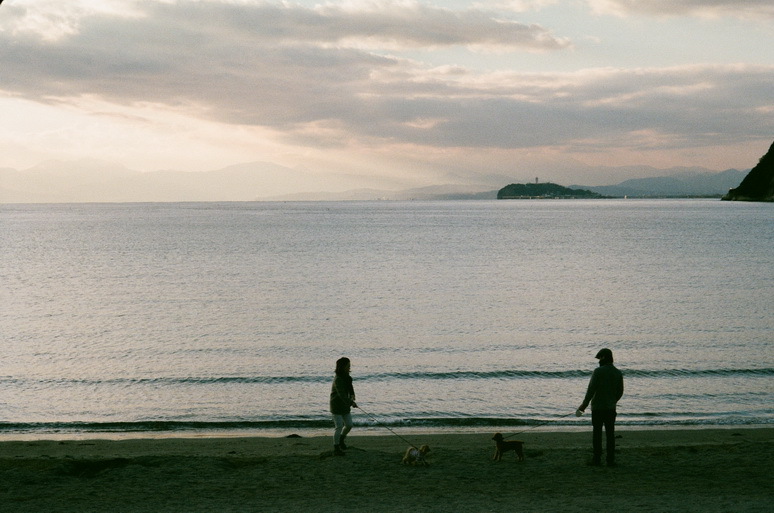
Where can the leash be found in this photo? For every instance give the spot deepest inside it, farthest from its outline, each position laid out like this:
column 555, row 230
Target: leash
column 386, row 427
column 535, row 426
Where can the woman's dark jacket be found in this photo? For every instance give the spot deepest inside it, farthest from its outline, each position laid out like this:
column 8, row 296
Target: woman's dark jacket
column 342, row 394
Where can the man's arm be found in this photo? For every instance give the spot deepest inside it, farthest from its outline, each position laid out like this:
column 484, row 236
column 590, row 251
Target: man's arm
column 590, row 391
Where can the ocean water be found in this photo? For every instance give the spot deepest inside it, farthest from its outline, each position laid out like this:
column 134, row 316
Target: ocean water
column 228, row 317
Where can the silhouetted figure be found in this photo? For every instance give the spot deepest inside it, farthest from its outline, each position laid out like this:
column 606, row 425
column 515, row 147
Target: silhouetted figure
column 605, row 390
column 342, row 400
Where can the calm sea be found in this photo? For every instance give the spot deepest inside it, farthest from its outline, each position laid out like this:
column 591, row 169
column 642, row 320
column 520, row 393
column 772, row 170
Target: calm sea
column 228, row 317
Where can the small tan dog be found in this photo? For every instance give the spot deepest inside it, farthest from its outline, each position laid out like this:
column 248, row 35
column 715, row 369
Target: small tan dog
column 416, row 456
column 502, row 447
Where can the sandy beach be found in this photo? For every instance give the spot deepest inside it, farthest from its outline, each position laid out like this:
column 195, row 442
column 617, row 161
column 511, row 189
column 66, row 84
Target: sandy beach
column 706, row 470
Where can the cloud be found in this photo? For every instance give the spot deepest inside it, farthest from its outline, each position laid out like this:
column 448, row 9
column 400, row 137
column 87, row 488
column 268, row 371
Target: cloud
column 51, row 20
column 747, row 9
column 322, row 78
column 520, row 5
column 377, row 24
column 510, row 110
column 248, row 64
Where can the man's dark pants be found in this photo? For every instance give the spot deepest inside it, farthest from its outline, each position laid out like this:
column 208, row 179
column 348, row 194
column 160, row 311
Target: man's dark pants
column 606, row 419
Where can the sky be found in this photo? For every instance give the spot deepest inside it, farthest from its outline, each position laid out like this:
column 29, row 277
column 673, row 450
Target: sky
column 392, row 94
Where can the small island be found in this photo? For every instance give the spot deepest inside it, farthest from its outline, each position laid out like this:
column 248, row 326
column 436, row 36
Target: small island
column 546, row 190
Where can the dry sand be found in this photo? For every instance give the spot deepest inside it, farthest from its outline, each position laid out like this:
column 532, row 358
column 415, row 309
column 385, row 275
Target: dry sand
column 703, row 470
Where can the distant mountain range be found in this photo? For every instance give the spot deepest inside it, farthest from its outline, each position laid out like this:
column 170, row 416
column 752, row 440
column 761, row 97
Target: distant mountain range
column 688, row 184
column 680, row 185
column 98, row 181
column 95, row 181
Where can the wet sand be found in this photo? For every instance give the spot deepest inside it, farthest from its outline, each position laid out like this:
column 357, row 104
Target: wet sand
column 697, row 470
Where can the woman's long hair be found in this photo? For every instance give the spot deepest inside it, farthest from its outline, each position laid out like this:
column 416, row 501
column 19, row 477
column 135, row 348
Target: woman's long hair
column 341, row 366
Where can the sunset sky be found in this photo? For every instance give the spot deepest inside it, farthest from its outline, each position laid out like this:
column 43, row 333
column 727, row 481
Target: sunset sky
column 391, row 93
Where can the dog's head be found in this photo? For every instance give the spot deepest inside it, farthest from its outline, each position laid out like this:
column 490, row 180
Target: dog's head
column 497, row 437
column 424, row 449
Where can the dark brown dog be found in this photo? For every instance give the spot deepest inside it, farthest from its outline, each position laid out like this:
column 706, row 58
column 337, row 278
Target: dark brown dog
column 503, row 447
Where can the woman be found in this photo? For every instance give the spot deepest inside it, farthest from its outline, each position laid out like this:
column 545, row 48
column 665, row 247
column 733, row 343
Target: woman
column 342, row 399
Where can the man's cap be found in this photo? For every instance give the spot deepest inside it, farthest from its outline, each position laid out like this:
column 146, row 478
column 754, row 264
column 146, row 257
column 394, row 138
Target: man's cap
column 604, row 353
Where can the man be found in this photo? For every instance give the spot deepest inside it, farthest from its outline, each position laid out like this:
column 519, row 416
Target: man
column 605, row 390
